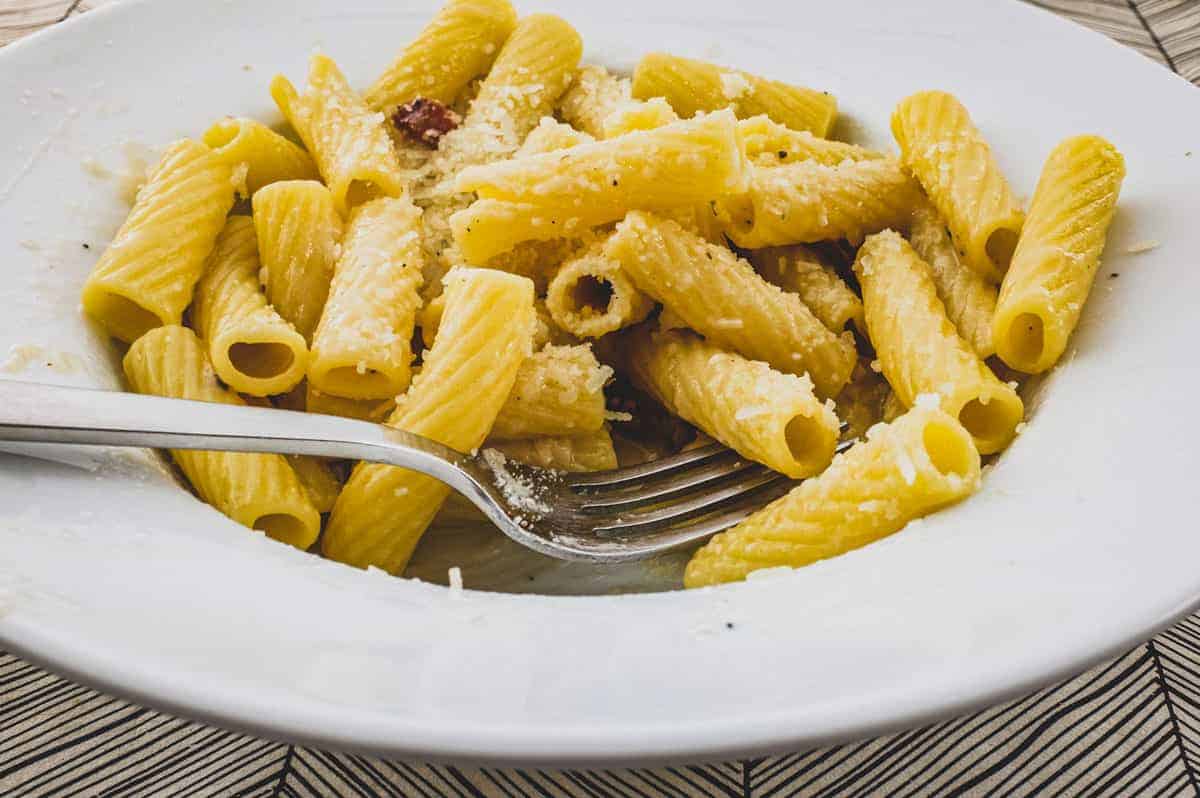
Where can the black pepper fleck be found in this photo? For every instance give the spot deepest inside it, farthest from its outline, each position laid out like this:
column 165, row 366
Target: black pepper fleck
column 1113, row 275
column 729, row 624
column 782, row 154
column 87, row 246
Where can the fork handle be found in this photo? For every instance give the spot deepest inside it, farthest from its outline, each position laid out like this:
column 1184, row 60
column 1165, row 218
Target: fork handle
column 36, row 413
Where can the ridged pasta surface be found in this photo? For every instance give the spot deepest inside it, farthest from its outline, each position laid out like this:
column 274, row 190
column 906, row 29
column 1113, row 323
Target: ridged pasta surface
column 256, row 490
column 1055, row 263
column 146, row 276
column 485, row 336
column 721, row 296
column 920, row 463
column 252, row 349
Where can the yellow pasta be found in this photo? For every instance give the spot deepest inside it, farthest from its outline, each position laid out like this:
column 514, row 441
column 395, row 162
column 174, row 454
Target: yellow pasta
column 591, row 295
column 459, row 44
column 362, row 348
column 299, row 232
column 593, row 96
column 970, row 300
column 693, row 86
column 719, row 295
column 545, row 331
column 591, row 451
column 383, row 510
column 252, row 349
column 1055, row 262
column 764, row 415
column 919, row 350
column 920, row 463
column 558, row 391
column 772, row 144
column 549, row 136
column 564, row 193
column 266, row 156
column 807, row 201
column 639, row 115
column 259, row 491
column 146, row 276
column 318, row 478
column 954, row 164
column 531, row 72
column 328, row 404
column 801, row 270
column 350, row 142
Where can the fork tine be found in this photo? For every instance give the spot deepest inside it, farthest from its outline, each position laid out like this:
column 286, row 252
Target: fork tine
column 657, row 517
column 695, row 530
column 674, row 484
column 642, row 471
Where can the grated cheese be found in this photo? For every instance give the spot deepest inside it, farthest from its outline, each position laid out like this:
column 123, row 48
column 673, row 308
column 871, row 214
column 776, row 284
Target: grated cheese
column 1142, row 246
column 454, row 575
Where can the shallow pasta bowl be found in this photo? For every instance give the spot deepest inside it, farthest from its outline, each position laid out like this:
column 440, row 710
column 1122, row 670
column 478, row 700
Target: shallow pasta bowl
column 1080, row 543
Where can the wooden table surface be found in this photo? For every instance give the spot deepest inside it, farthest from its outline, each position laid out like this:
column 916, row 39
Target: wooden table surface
column 1129, row 727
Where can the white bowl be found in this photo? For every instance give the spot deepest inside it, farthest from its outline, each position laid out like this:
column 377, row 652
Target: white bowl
column 1081, row 542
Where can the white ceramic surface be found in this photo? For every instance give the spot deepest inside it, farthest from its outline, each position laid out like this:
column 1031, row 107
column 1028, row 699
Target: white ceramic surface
column 1081, row 542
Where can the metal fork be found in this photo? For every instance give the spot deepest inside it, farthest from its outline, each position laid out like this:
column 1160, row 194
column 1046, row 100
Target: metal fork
column 608, row 516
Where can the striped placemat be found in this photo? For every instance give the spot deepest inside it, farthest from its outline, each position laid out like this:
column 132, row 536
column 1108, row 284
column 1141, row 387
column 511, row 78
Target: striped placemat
column 1129, row 727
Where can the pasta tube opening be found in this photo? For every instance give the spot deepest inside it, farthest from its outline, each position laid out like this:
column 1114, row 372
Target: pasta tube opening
column 1000, row 246
column 950, row 452
column 262, row 360
column 810, row 441
column 591, row 294
column 123, row 316
column 360, row 192
column 1026, row 342
column 992, row 421
column 356, row 381
column 284, row 527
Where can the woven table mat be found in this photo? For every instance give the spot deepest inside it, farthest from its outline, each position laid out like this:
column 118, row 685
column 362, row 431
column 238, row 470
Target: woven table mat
column 1128, row 727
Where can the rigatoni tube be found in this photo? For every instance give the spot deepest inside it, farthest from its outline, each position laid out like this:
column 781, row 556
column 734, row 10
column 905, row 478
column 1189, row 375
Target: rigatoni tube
column 765, row 415
column 259, row 491
column 920, row 463
column 919, row 349
column 948, row 155
column 719, row 295
column 145, row 277
column 484, row 337
column 1056, row 259
column 362, row 348
column 299, row 231
column 251, row 347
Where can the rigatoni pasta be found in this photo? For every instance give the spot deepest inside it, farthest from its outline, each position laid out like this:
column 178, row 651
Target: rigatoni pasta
column 557, row 391
column 459, row 44
column 591, row 296
column 969, row 299
column 348, row 141
column 921, row 462
column 259, row 491
column 801, row 270
column 808, row 201
column 692, row 86
column 948, row 155
column 919, row 349
column 765, row 415
column 485, row 336
column 145, row 277
column 299, row 238
column 362, row 348
column 252, row 349
column 263, row 155
column 1056, row 258
column 720, row 296
column 590, row 451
